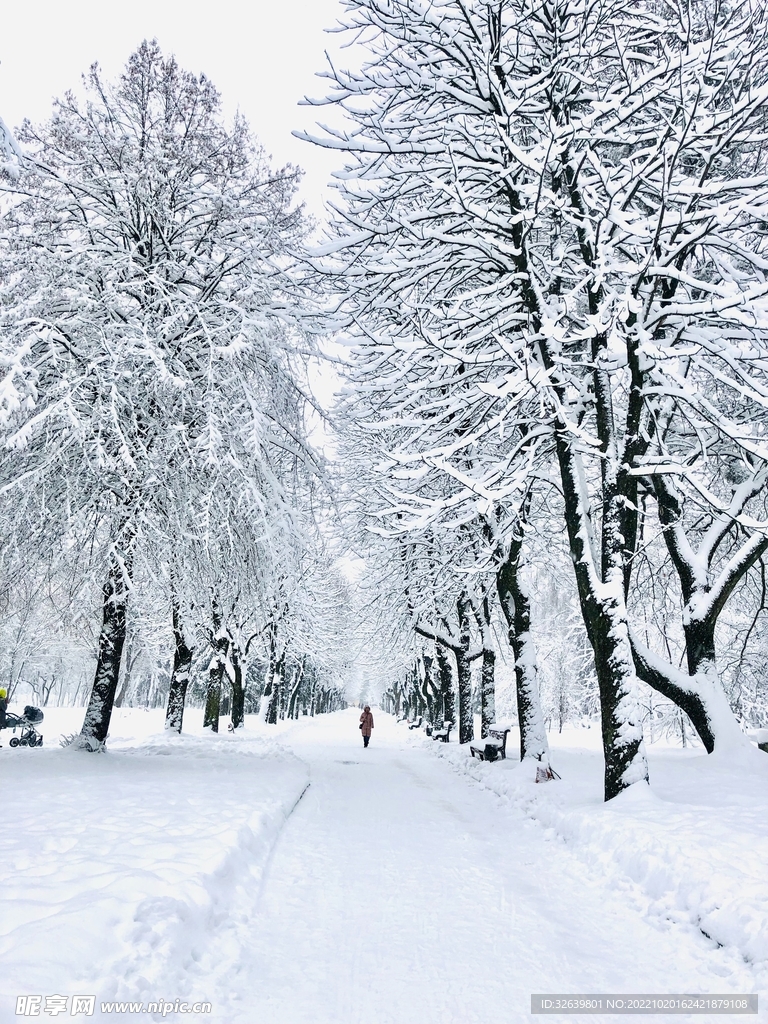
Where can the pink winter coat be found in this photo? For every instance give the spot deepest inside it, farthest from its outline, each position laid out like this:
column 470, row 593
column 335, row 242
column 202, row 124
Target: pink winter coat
column 367, row 722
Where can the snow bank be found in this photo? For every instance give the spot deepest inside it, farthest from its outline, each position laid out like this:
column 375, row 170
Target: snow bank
column 691, row 849
column 120, row 867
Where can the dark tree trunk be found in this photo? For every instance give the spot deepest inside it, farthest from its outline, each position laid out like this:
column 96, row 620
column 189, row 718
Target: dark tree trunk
column 487, row 691
column 182, row 667
column 293, row 702
column 220, row 644
column 268, row 696
column 464, row 674
column 213, row 693
column 445, row 675
column 238, row 689
column 278, row 681
column 418, row 691
column 482, row 611
column 431, row 692
column 600, row 575
column 111, row 642
column 699, row 644
column 516, row 607
column 700, row 695
column 605, row 618
column 652, row 672
column 464, row 671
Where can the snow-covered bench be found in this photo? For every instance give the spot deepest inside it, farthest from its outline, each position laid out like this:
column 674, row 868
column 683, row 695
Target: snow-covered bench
column 416, row 723
column 443, row 734
column 493, row 747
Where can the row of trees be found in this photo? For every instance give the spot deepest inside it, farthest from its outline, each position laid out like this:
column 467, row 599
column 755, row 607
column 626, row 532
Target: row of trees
column 154, row 402
column 549, row 256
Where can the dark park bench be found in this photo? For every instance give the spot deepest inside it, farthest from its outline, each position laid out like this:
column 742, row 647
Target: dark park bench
column 416, row 723
column 443, row 734
column 493, row 747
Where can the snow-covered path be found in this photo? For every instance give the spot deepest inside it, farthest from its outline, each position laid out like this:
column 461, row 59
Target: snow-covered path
column 400, row 892
column 398, row 887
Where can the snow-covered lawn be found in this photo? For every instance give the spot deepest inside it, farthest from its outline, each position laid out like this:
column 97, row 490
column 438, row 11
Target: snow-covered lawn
column 692, row 850
column 118, row 867
column 408, row 884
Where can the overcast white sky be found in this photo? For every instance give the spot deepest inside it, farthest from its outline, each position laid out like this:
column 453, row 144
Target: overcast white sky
column 261, row 54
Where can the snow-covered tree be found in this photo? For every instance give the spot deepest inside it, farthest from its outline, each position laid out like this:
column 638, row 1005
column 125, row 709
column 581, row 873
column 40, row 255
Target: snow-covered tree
column 147, row 360
column 552, row 218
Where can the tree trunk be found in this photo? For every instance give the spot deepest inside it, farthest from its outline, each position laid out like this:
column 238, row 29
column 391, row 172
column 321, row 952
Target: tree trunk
column 487, row 691
column 220, row 644
column 431, row 692
column 604, row 611
column 268, row 696
column 464, row 672
column 482, row 610
column 601, row 574
column 131, row 653
column 182, row 666
column 417, row 687
column 293, row 702
column 714, row 717
column 213, row 693
column 111, row 641
column 699, row 694
column 278, row 680
column 464, row 677
column 238, row 689
column 445, row 675
column 516, row 607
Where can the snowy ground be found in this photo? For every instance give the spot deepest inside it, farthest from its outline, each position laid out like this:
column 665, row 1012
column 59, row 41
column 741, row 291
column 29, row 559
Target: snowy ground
column 407, row 884
column 691, row 850
column 118, row 868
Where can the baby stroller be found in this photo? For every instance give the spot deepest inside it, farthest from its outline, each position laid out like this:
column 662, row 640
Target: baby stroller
column 29, row 737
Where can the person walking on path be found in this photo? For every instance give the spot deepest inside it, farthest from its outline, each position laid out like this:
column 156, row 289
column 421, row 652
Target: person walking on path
column 366, row 724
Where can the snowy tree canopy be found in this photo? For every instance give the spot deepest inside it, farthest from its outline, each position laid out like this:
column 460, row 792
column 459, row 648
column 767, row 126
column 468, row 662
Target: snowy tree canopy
column 154, row 394
column 549, row 248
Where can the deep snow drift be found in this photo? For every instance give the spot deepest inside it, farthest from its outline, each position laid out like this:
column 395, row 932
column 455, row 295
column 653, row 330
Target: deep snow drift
column 407, row 884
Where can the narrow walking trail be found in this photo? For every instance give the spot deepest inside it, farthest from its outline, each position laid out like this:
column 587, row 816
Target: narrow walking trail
column 400, row 891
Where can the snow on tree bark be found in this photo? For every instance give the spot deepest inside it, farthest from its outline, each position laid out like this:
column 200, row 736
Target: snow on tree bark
column 219, row 642
column 482, row 612
column 701, row 694
column 180, row 673
column 98, row 713
column 445, row 672
column 516, row 607
column 238, row 687
column 464, row 670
